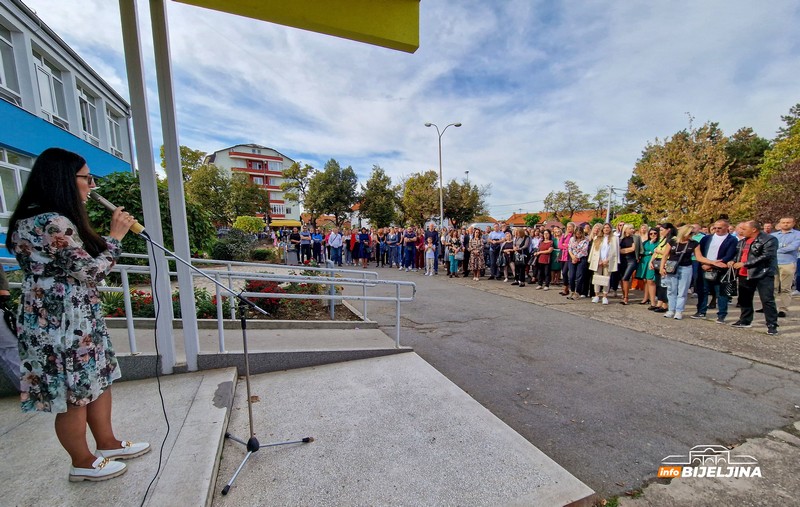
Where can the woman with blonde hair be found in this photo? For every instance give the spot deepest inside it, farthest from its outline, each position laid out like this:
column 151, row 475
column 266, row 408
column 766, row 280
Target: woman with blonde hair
column 676, row 269
column 603, row 260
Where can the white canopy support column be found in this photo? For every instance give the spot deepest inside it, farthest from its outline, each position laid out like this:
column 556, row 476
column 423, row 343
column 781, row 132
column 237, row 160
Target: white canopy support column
column 177, row 202
column 147, row 180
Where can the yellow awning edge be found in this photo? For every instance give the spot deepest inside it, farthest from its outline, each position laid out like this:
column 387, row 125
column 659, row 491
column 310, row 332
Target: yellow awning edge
column 392, row 24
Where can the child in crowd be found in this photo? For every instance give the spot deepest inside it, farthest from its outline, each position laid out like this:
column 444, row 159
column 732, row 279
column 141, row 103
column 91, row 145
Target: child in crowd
column 430, row 257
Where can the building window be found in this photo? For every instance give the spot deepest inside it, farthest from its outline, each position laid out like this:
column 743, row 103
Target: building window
column 14, row 171
column 275, row 166
column 258, row 180
column 278, row 209
column 114, row 132
column 252, row 164
column 9, row 83
column 88, row 116
column 288, row 210
column 51, row 91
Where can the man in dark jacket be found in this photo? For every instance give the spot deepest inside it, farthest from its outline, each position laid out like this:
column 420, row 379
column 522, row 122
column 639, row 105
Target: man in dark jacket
column 756, row 263
column 719, row 246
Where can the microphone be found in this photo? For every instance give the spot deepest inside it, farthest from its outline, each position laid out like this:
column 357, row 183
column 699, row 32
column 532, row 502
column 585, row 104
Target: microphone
column 136, row 228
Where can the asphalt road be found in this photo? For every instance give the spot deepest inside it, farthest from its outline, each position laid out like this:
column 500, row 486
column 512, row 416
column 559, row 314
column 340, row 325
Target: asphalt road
column 606, row 402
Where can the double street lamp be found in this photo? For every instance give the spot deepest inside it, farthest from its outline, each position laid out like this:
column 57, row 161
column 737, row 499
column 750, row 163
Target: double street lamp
column 441, row 191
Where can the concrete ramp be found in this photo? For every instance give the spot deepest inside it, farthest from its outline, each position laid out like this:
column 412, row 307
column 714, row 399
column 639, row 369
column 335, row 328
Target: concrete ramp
column 389, row 431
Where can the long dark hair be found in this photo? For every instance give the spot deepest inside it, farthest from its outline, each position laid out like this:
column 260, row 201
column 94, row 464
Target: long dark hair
column 52, row 187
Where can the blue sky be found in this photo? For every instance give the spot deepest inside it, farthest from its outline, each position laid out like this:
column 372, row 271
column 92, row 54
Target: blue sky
column 546, row 91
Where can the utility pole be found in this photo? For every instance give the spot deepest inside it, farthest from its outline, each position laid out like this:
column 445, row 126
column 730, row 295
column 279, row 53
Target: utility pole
column 610, row 194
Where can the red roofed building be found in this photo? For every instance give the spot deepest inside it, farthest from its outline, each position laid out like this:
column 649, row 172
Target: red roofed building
column 587, row 215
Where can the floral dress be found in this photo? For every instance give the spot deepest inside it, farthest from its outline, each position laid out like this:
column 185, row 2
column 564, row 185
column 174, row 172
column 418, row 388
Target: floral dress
column 64, row 347
column 476, row 260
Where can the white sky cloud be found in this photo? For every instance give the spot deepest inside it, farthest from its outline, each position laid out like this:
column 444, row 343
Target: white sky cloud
column 547, row 91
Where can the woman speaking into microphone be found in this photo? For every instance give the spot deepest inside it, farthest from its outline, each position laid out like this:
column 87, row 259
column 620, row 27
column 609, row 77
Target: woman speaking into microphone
column 68, row 362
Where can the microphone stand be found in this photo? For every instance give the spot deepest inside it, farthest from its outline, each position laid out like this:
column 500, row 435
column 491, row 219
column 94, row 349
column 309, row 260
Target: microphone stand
column 252, row 445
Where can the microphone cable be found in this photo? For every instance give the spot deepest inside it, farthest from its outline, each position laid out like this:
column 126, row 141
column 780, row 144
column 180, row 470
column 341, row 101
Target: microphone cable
column 158, row 376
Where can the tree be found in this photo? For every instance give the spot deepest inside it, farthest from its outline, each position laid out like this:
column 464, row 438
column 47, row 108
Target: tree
column 634, row 219
column 191, row 160
column 781, row 198
column 378, row 199
column 420, row 197
column 683, row 179
column 781, row 155
column 783, row 152
column 745, row 151
column 600, row 202
column 209, row 188
column 332, row 190
column 790, row 120
column 252, row 225
column 463, row 201
column 564, row 204
column 123, row 189
column 531, row 220
column 295, row 186
column 245, row 197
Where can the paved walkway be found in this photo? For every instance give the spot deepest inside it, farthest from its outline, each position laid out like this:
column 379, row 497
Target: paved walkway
column 628, row 384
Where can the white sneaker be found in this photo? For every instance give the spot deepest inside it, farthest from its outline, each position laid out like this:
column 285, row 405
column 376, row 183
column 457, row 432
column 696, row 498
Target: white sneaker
column 596, row 299
column 796, row 293
column 678, row 316
column 669, row 315
column 547, row 288
column 400, row 268
column 505, row 279
column 605, row 300
column 102, row 469
column 407, row 270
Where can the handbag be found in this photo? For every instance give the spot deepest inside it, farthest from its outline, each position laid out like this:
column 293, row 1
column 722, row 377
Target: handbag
column 728, row 285
column 459, row 256
column 657, row 264
column 604, row 280
column 672, row 266
column 712, row 275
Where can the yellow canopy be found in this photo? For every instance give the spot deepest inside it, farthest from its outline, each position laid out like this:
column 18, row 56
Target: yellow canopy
column 285, row 222
column 393, row 24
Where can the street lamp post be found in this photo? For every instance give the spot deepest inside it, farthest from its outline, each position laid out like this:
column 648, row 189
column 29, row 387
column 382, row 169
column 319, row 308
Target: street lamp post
column 467, row 173
column 441, row 191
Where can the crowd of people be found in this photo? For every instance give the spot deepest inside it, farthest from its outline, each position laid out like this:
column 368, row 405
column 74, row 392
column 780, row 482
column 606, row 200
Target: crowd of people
column 666, row 264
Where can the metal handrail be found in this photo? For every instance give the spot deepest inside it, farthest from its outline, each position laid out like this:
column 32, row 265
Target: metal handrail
column 331, row 281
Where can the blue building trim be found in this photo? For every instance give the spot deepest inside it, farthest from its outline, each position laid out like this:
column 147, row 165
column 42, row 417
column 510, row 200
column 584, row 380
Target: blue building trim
column 28, row 134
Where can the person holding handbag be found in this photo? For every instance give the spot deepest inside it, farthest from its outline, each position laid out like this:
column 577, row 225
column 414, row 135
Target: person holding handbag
column 520, row 256
column 719, row 246
column 666, row 232
column 676, row 269
column 604, row 260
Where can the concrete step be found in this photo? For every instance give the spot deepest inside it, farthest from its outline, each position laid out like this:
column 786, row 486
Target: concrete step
column 270, row 349
column 34, row 468
column 389, row 431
